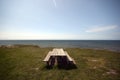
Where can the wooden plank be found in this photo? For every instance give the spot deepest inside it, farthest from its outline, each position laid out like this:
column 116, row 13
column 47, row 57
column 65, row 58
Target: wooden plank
column 61, row 52
column 69, row 58
column 58, row 52
column 48, row 56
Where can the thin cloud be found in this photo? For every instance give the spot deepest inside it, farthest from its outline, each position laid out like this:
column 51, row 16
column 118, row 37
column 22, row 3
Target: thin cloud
column 101, row 28
column 54, row 1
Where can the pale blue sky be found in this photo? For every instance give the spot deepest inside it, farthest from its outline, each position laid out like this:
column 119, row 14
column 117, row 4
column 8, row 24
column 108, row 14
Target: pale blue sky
column 60, row 19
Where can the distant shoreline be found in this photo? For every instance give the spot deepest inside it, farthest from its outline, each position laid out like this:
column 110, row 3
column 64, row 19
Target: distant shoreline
column 55, row 40
column 112, row 45
column 37, row 46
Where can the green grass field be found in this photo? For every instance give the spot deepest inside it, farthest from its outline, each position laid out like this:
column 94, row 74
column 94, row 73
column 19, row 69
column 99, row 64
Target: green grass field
column 25, row 63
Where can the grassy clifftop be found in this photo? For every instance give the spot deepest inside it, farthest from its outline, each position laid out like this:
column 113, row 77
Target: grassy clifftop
column 25, row 63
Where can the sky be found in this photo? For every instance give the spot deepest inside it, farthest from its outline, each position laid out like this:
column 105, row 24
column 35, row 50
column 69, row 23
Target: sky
column 60, row 19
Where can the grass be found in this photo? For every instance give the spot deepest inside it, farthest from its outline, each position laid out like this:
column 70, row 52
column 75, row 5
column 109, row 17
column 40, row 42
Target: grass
column 25, row 63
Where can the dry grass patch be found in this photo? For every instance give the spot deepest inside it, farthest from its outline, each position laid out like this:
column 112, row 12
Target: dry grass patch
column 95, row 62
column 111, row 72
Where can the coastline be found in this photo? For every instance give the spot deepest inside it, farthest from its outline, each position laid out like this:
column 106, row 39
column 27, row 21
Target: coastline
column 37, row 46
column 112, row 45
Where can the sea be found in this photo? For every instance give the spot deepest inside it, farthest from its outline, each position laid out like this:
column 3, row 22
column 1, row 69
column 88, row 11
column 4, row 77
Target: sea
column 113, row 45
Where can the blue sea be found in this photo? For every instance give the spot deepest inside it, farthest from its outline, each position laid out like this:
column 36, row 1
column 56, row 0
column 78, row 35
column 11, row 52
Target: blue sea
column 96, row 44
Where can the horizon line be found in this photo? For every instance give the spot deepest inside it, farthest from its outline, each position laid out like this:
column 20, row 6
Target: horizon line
column 59, row 39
